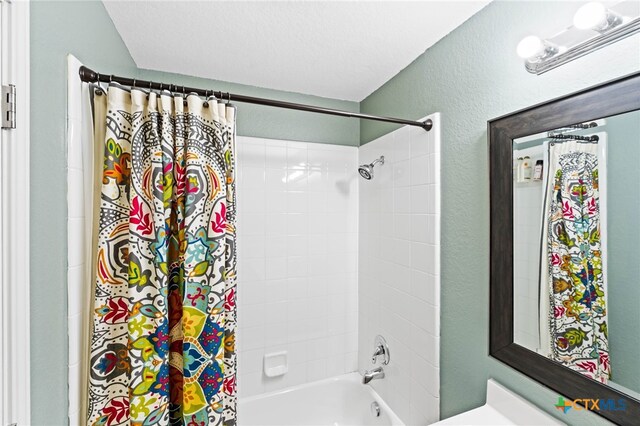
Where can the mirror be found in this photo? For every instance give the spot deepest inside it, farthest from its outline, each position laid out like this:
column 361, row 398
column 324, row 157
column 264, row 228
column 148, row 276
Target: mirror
column 565, row 245
column 576, row 265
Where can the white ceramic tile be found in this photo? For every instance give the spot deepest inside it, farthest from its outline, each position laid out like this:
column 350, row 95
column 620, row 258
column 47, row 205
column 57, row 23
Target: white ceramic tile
column 425, row 345
column 76, row 244
column 297, row 288
column 251, row 361
column 401, row 144
column 273, row 225
column 74, row 379
column 253, row 177
column 296, row 158
column 275, row 312
column 419, row 143
column 75, row 196
column 74, row 416
column 251, row 224
column 253, row 201
column 252, row 245
column 75, row 328
column 423, row 402
column 336, row 365
column 402, row 173
column 296, row 202
column 252, row 155
column 316, row 369
column 309, row 212
column 276, row 268
column 250, row 384
column 421, row 172
column 275, row 157
column 317, row 179
column 296, row 179
column 420, row 199
column 401, row 252
column 75, row 282
column 402, row 200
column 275, row 179
column 75, row 148
column 250, row 292
column 297, row 224
column 253, row 269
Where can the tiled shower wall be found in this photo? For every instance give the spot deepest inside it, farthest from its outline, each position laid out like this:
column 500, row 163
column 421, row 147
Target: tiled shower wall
column 527, row 218
column 79, row 214
column 399, row 269
column 297, row 260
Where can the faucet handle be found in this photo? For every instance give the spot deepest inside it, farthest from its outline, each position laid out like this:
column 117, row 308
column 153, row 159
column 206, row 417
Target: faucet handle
column 381, row 349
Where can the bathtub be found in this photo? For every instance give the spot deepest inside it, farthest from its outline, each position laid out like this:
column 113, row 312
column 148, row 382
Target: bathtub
column 338, row 401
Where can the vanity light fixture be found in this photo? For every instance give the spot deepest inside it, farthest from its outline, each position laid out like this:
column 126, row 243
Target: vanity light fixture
column 594, row 26
column 595, row 16
column 535, row 48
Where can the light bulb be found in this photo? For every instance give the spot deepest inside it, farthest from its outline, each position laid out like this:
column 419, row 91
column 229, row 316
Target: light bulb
column 530, row 46
column 592, row 15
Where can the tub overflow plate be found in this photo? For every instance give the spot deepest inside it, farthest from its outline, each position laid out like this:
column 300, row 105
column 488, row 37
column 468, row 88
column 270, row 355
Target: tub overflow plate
column 375, row 409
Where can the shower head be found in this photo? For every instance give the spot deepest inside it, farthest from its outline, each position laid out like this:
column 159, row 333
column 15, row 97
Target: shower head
column 366, row 170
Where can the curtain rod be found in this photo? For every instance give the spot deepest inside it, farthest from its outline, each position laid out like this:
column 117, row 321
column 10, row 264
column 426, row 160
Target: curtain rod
column 91, row 76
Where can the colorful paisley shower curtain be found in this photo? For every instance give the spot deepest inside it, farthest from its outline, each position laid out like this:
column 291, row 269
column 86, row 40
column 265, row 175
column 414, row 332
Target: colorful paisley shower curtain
column 577, row 312
column 162, row 343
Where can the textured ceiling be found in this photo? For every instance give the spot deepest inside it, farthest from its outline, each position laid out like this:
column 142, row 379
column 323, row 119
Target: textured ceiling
column 336, row 49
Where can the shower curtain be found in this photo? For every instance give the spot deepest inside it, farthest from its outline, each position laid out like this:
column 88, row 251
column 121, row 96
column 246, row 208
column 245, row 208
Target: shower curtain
column 162, row 344
column 573, row 311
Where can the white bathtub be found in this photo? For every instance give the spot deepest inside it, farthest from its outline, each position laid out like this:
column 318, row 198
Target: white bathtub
column 337, row 401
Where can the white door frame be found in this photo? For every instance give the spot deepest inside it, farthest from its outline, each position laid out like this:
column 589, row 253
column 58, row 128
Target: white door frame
column 15, row 377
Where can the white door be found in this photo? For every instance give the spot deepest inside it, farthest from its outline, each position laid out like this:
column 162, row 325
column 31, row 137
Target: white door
column 14, row 219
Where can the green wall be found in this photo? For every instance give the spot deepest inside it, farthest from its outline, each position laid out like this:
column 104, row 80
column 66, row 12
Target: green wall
column 471, row 76
column 623, row 268
column 57, row 28
column 85, row 30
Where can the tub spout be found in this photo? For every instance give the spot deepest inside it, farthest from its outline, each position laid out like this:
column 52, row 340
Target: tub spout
column 369, row 375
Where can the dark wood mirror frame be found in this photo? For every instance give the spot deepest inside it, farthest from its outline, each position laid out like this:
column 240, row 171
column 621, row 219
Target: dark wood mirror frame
column 612, row 98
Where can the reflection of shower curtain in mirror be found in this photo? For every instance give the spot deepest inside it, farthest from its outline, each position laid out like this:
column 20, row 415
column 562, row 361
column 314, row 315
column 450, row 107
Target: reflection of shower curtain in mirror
column 572, row 299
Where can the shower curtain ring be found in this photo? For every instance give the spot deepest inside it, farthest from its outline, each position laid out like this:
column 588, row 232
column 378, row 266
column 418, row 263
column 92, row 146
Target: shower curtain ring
column 206, row 101
column 134, row 84
column 111, row 79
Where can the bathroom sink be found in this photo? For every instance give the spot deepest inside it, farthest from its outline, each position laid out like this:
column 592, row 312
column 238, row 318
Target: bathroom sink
column 503, row 407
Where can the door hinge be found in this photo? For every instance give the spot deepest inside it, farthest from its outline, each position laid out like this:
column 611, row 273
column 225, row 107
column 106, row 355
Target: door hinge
column 8, row 106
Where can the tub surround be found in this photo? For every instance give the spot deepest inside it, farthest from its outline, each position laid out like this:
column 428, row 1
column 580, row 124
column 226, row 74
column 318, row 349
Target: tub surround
column 321, row 250
column 399, row 269
column 297, row 261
